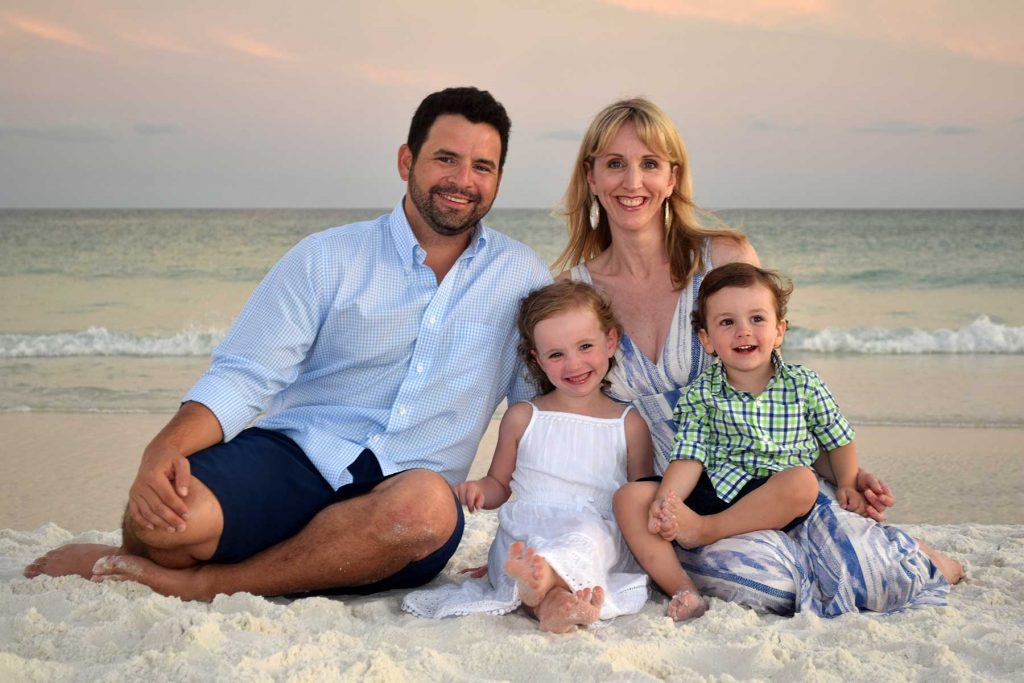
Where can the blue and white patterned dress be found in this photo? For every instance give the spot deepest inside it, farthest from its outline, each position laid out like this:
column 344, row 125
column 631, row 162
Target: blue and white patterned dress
column 835, row 562
column 654, row 387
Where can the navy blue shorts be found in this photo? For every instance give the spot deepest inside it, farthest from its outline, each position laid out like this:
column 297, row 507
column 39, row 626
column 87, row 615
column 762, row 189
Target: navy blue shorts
column 704, row 499
column 268, row 491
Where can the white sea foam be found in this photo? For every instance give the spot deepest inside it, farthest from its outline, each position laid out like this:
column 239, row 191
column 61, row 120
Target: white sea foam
column 99, row 341
column 981, row 336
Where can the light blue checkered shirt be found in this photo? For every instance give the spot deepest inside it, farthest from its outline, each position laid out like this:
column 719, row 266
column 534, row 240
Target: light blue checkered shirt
column 350, row 343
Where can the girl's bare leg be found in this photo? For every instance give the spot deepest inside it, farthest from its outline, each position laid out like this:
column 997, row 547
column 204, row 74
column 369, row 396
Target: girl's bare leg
column 656, row 555
column 532, row 573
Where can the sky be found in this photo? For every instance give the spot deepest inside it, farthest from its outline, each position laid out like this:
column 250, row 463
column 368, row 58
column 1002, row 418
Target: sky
column 257, row 103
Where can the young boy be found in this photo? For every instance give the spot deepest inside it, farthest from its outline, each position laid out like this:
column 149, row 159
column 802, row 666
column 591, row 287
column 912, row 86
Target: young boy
column 750, row 427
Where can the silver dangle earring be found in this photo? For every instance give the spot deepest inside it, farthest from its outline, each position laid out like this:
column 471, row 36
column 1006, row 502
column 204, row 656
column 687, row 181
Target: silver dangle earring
column 595, row 212
column 668, row 216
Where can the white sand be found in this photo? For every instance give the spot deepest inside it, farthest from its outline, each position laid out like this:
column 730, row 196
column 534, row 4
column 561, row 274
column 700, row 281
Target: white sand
column 69, row 629
column 72, row 630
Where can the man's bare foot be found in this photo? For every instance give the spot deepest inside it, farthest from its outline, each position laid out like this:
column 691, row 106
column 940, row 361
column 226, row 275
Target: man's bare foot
column 72, row 559
column 562, row 611
column 950, row 568
column 181, row 583
column 686, row 604
column 532, row 573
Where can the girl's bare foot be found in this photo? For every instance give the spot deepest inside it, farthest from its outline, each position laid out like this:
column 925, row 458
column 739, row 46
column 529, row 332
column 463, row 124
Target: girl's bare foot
column 532, row 573
column 686, row 604
column 562, row 611
column 950, row 568
column 67, row 560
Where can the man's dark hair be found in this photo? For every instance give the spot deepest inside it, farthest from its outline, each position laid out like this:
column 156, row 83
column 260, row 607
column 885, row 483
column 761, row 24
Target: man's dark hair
column 478, row 106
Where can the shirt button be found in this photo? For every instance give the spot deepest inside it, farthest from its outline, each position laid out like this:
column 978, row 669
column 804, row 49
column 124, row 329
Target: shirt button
column 376, row 438
column 419, row 368
column 401, row 410
column 433, row 320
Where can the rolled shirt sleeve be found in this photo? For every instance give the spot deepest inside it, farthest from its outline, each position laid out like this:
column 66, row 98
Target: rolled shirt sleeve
column 267, row 343
column 824, row 419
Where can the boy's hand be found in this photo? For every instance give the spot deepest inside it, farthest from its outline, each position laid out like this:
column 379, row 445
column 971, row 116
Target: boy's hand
column 470, row 494
column 850, row 499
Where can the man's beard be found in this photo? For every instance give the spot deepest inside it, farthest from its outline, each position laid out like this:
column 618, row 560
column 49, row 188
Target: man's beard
column 445, row 221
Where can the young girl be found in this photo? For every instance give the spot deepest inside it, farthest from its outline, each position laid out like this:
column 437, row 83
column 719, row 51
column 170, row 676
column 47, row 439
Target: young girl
column 558, row 550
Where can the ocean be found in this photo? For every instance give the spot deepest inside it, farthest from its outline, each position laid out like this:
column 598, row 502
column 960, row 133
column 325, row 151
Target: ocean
column 913, row 317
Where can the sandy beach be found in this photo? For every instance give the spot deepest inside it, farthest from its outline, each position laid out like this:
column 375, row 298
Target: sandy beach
column 69, row 629
column 88, row 461
column 74, row 630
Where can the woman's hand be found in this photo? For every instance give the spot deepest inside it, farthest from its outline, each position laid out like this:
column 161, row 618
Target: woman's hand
column 876, row 493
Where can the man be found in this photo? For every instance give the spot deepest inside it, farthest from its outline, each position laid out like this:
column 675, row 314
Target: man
column 378, row 352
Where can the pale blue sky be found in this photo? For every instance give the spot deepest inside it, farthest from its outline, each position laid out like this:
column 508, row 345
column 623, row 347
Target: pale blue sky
column 782, row 103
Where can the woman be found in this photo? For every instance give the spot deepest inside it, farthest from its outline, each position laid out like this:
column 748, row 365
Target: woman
column 635, row 234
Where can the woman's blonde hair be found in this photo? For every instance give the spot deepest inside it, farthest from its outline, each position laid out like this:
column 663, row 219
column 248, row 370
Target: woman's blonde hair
column 683, row 238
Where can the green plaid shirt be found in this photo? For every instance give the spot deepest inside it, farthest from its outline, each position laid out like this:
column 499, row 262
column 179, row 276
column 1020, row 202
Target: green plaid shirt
column 738, row 436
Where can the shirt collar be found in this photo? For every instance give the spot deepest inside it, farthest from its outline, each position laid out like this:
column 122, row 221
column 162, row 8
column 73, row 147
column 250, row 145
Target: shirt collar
column 720, row 385
column 410, row 251
column 781, row 369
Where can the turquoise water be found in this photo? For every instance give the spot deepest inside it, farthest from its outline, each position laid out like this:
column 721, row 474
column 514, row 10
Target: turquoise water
column 117, row 310
column 877, row 248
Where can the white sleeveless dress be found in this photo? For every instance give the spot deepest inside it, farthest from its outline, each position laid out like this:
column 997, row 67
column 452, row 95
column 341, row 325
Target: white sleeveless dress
column 567, row 469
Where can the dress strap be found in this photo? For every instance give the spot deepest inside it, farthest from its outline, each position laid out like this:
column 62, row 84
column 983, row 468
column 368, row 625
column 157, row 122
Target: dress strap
column 705, row 254
column 579, row 273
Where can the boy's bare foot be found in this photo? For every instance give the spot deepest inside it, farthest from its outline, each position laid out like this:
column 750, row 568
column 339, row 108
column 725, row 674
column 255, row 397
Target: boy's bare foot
column 532, row 573
column 182, row 583
column 661, row 520
column 686, row 604
column 950, row 568
column 690, row 527
column 67, row 560
column 562, row 611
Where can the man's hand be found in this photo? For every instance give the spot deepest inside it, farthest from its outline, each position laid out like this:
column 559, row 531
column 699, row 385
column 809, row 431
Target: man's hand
column 156, row 497
column 470, row 494
column 877, row 495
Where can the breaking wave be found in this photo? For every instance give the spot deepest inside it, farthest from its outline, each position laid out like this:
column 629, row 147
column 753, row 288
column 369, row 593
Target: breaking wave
column 981, row 336
column 99, row 341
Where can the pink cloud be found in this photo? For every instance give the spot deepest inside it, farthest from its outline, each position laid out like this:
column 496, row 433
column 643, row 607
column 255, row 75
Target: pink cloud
column 255, row 48
column 51, row 32
column 759, row 13
column 988, row 50
column 986, row 33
